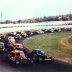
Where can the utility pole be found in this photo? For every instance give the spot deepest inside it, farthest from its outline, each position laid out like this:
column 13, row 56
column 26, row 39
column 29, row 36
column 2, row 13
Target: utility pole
column 1, row 16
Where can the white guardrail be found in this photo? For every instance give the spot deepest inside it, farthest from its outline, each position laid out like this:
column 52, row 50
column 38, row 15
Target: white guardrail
column 34, row 26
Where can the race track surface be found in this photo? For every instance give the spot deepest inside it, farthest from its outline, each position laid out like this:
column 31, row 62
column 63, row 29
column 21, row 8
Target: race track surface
column 55, row 66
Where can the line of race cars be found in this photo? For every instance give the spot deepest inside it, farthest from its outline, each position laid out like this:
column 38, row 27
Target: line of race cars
column 17, row 53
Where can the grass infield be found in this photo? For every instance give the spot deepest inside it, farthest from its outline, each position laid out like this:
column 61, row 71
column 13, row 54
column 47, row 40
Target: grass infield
column 57, row 45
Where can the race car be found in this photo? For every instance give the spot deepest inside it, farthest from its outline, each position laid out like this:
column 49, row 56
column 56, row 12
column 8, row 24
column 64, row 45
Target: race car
column 40, row 55
column 18, row 57
column 2, row 47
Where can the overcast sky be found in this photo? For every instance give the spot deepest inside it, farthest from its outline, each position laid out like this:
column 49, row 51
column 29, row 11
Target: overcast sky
column 23, row 9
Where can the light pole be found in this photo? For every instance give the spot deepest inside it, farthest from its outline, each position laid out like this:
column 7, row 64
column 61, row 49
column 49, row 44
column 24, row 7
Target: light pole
column 1, row 16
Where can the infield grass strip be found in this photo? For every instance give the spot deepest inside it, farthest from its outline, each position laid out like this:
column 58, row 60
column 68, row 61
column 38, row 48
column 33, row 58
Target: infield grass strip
column 52, row 44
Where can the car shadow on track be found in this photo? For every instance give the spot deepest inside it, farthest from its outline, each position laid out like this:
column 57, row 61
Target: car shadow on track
column 55, row 66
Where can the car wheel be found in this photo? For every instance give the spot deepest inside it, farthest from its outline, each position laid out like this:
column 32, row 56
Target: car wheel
column 40, row 59
column 52, row 59
column 17, row 62
column 31, row 61
column 34, row 58
column 5, row 50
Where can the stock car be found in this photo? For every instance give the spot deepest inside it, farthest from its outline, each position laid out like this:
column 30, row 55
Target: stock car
column 18, row 57
column 40, row 55
column 2, row 47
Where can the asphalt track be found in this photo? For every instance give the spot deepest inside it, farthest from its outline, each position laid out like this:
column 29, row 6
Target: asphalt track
column 55, row 66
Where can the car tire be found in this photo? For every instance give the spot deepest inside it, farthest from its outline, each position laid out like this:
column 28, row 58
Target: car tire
column 31, row 61
column 34, row 58
column 40, row 59
column 51, row 59
column 17, row 62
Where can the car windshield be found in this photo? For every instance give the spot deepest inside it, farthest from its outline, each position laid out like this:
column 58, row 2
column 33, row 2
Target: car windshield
column 23, row 55
column 41, row 52
column 1, row 45
column 17, row 54
column 18, row 46
column 12, row 54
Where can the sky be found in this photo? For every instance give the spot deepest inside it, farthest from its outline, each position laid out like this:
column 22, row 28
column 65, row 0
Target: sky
column 24, row 9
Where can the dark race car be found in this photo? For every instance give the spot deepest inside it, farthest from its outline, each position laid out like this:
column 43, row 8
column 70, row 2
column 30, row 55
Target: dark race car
column 39, row 55
column 2, row 47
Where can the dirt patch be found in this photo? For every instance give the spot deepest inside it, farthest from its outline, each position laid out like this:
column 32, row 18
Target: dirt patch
column 66, row 46
column 65, row 42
